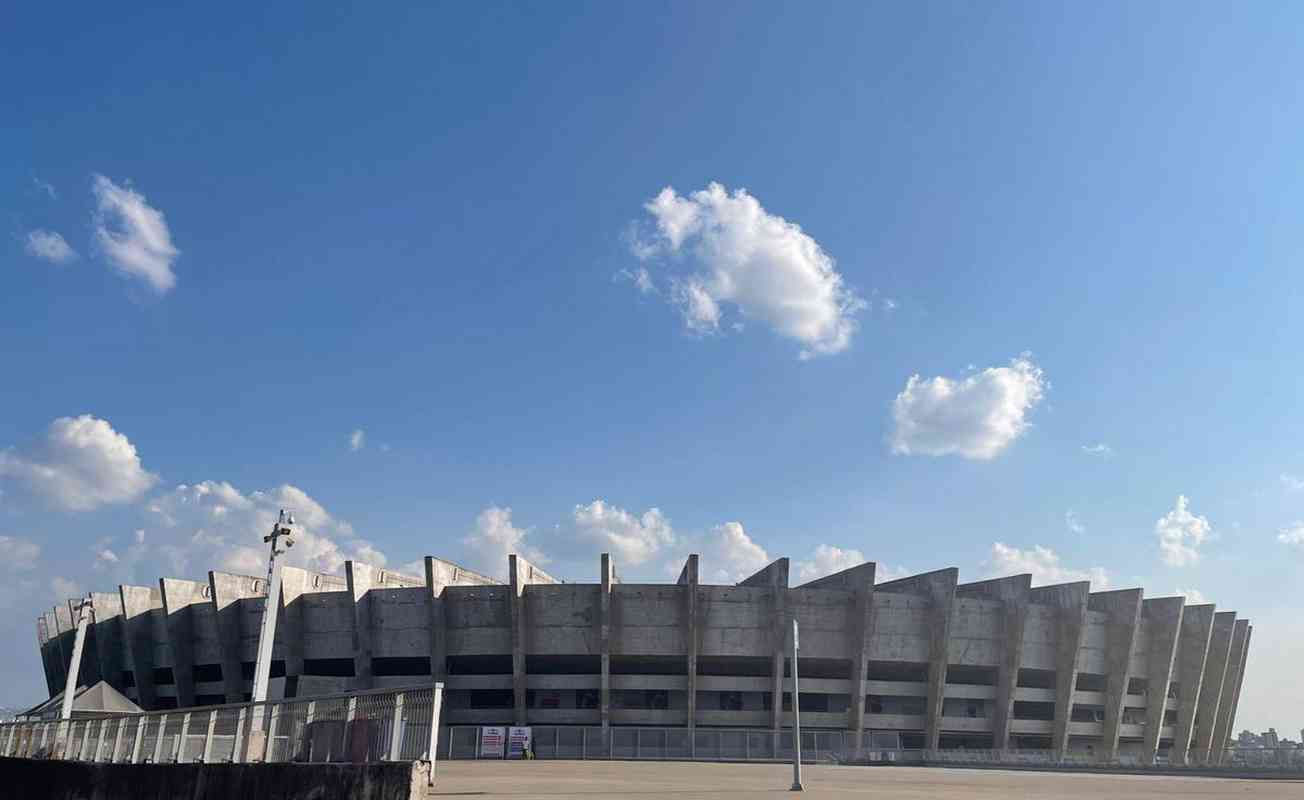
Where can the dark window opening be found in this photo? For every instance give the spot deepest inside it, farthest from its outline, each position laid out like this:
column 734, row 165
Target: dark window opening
column 912, row 741
column 210, row 699
column 128, row 679
column 277, row 669
column 396, row 665
column 1170, row 717
column 208, row 673
column 1024, row 709
column 1037, row 678
column 563, row 665
column 1087, row 714
column 588, row 698
column 1137, row 685
column 480, row 665
column 492, row 698
column 810, row 701
column 731, row 701
column 655, row 699
column 324, row 667
column 163, row 676
column 740, row 666
column 970, row 676
column 904, row 671
column 292, row 686
column 649, row 665
column 1030, row 742
column 1090, row 682
column 818, row 668
column 959, row 741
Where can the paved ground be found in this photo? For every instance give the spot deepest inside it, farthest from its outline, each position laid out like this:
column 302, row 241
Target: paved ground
column 697, row 781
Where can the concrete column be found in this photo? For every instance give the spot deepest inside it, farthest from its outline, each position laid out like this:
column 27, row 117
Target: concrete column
column 1215, row 671
column 1013, row 594
column 88, row 664
column 65, row 630
column 1071, row 601
column 109, row 639
column 859, row 581
column 774, row 577
column 138, row 606
column 939, row 588
column 688, row 579
column 226, row 592
column 178, row 596
column 1123, row 608
column 1164, row 622
column 1192, row 651
column 1227, row 700
column 521, row 574
column 361, row 578
column 608, row 578
column 1236, row 700
column 441, row 574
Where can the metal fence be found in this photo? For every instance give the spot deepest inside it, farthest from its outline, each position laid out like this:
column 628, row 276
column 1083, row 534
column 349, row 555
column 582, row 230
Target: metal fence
column 356, row 727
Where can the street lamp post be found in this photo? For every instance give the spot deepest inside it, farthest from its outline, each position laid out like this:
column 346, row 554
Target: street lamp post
column 796, row 717
column 263, row 664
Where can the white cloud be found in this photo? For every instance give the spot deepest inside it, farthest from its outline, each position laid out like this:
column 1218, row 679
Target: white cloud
column 18, row 554
column 494, row 537
column 1098, row 449
column 630, row 539
column 1072, row 522
column 1043, row 564
column 50, row 246
column 640, row 277
column 827, row 560
column 1292, row 483
column 727, row 553
column 64, row 588
column 133, row 236
column 1292, row 534
column 46, row 187
column 81, row 463
column 1181, row 534
column 105, row 556
column 357, row 440
column 761, row 264
column 1193, row 596
column 886, row 572
column 213, row 525
column 976, row 417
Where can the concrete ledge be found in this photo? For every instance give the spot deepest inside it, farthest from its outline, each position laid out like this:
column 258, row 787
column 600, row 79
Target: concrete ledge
column 75, row 780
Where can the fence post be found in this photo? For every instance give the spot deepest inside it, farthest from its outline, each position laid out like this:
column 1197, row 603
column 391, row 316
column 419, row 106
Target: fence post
column 307, row 726
column 179, row 751
column 396, row 729
column 9, row 740
column 436, row 705
column 139, row 739
column 158, row 742
column 85, row 740
column 99, row 743
column 350, row 712
column 236, row 758
column 208, row 737
column 271, row 732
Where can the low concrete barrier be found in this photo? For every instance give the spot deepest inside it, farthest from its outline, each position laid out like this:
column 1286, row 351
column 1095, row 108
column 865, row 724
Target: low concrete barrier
column 74, row 780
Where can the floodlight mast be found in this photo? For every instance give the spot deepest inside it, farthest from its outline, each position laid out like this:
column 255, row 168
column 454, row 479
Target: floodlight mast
column 267, row 634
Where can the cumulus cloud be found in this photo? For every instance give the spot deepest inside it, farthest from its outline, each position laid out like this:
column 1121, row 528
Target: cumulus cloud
column 494, row 537
column 1098, row 449
column 631, row 539
column 213, row 524
column 18, row 554
column 81, row 464
column 1181, row 534
column 357, row 440
column 826, row 560
column 65, row 588
column 49, row 246
column 728, row 554
column 133, row 236
column 976, row 416
column 757, row 262
column 1043, row 564
column 1193, row 596
column 1292, row 483
column 886, row 572
column 1292, row 534
column 1072, row 522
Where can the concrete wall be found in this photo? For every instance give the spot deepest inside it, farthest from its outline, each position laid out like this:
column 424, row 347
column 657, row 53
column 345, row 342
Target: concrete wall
column 994, row 663
column 74, row 780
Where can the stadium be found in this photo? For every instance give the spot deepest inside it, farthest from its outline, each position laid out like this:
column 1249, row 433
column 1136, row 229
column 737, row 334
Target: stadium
column 923, row 662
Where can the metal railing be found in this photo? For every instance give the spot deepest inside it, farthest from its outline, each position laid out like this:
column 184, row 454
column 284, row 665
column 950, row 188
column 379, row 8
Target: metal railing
column 355, row 727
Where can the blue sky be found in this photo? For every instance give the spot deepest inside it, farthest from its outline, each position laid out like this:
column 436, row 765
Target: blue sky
column 1077, row 226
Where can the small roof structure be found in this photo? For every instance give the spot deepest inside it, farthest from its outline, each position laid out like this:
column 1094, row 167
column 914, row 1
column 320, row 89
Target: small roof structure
column 99, row 700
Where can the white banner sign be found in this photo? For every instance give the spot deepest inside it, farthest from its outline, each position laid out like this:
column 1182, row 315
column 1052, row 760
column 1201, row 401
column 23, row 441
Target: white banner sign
column 492, row 741
column 518, row 742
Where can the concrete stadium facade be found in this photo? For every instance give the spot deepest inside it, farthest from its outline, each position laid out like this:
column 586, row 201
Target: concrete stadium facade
column 919, row 662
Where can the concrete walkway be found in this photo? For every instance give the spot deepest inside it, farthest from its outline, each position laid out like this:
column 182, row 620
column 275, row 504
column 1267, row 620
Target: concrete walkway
column 701, row 781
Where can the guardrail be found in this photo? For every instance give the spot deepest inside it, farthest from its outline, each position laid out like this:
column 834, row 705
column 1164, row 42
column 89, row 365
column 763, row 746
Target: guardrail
column 354, row 727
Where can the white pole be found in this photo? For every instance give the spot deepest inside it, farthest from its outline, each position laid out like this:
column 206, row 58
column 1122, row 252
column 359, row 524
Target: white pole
column 796, row 717
column 74, row 666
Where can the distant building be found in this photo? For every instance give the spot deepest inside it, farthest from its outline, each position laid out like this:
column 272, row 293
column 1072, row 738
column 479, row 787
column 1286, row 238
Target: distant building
column 1269, row 738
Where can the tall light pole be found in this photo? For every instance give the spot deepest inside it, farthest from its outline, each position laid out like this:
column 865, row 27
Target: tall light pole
column 267, row 634
column 796, row 717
